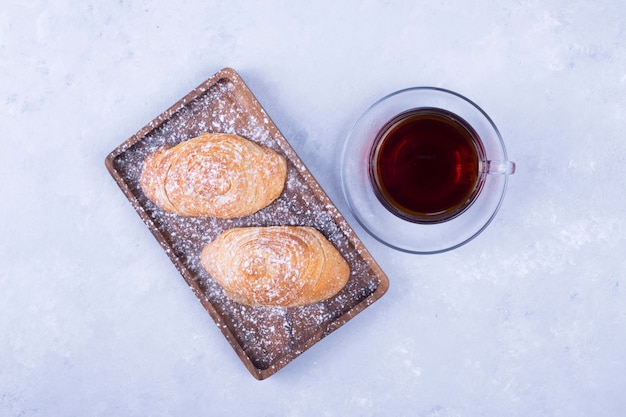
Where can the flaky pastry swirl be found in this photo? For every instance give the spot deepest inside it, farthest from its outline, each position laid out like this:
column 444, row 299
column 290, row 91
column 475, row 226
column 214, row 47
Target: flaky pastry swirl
column 275, row 266
column 215, row 174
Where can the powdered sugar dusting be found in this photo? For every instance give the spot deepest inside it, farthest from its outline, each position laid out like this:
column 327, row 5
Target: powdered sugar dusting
column 269, row 337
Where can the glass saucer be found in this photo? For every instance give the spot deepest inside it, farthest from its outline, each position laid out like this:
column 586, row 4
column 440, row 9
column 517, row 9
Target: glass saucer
column 397, row 232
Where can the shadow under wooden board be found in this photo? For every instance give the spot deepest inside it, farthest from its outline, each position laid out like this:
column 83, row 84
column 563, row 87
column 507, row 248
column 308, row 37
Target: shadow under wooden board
column 266, row 339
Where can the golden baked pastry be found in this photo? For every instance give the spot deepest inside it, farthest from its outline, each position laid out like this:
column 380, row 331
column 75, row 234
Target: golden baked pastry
column 215, row 174
column 275, row 266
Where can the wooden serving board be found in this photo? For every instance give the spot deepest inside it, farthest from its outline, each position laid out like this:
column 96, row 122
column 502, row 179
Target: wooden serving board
column 266, row 339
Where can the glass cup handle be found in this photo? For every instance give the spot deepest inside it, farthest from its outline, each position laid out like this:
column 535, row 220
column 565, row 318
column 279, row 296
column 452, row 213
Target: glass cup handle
column 499, row 167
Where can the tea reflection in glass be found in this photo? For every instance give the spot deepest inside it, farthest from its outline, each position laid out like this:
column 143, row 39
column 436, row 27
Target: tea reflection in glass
column 425, row 165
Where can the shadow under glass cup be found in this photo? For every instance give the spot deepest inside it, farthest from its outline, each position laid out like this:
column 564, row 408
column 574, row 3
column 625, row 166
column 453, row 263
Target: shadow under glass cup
column 424, row 170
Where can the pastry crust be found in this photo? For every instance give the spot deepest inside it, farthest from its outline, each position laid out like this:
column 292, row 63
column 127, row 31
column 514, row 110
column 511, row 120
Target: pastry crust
column 275, row 266
column 215, row 174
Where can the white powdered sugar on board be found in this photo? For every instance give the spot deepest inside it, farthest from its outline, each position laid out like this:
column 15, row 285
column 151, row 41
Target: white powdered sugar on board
column 266, row 335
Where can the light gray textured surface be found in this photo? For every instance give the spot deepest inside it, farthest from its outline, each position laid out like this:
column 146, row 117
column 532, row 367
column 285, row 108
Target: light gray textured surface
column 529, row 319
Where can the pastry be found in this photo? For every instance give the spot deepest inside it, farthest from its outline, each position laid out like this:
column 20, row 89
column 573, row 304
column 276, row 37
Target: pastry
column 215, row 174
column 275, row 266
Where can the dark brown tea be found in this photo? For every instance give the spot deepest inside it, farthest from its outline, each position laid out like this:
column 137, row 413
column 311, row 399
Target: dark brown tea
column 425, row 165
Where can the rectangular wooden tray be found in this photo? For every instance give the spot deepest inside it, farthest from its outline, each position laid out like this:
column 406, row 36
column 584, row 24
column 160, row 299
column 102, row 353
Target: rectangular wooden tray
column 266, row 339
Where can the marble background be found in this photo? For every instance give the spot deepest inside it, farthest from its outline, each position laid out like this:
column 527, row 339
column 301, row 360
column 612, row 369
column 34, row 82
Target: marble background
column 529, row 319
